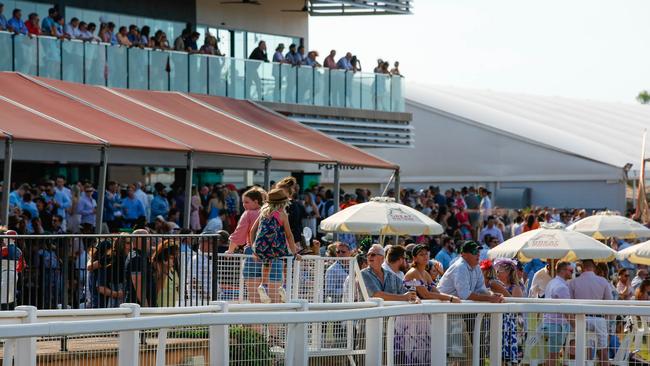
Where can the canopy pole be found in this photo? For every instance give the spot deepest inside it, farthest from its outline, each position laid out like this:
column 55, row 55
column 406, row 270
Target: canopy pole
column 397, row 197
column 9, row 154
column 337, row 193
column 189, row 172
column 101, row 189
column 267, row 174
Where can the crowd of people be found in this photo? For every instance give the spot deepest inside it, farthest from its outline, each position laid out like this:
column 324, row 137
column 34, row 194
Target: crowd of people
column 55, row 25
column 269, row 226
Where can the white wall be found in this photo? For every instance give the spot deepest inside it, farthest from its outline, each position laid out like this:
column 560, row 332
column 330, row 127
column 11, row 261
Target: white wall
column 264, row 18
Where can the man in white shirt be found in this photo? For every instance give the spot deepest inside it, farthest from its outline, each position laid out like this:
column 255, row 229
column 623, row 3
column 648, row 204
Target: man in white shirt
column 485, row 207
column 142, row 197
column 556, row 326
column 540, row 281
column 395, row 261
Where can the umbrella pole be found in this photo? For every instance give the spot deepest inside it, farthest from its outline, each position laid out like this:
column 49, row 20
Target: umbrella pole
column 397, row 196
column 337, row 194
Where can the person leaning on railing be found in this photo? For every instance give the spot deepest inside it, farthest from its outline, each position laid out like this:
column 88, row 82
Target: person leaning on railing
column 381, row 283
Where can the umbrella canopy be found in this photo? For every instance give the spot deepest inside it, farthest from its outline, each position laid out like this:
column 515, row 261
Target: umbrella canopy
column 553, row 242
column 637, row 254
column 381, row 216
column 608, row 224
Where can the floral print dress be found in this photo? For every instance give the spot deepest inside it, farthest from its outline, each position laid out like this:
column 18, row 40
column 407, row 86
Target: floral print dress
column 412, row 342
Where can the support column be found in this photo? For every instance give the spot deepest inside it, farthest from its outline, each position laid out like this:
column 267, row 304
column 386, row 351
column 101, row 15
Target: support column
column 267, row 174
column 101, row 189
column 189, row 171
column 6, row 189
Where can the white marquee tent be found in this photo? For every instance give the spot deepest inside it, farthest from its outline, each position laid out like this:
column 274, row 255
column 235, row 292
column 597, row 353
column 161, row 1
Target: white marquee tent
column 567, row 152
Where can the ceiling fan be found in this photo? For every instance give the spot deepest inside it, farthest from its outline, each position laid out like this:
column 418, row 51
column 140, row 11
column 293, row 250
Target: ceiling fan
column 304, row 9
column 244, row 2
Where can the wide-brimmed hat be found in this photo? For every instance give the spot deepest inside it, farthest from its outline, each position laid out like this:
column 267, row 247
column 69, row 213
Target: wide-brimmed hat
column 277, row 195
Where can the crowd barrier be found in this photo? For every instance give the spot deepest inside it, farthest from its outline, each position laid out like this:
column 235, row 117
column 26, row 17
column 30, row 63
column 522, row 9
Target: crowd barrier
column 366, row 333
column 96, row 271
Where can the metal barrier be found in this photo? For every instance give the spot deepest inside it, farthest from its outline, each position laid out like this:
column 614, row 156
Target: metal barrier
column 384, row 333
column 103, row 271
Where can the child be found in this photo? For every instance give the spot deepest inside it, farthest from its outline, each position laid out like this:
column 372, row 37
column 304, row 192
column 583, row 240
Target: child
column 272, row 233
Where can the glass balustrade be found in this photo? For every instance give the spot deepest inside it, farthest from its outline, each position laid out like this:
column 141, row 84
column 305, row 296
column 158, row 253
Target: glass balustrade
column 116, row 66
column 95, row 68
column 159, row 70
column 49, row 57
column 72, row 58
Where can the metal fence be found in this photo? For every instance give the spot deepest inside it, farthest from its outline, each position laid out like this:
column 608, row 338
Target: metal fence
column 104, row 271
column 382, row 333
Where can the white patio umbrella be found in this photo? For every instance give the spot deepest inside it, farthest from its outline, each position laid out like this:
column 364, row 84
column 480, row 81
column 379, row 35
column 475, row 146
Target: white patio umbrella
column 638, row 254
column 381, row 216
column 553, row 241
column 608, row 224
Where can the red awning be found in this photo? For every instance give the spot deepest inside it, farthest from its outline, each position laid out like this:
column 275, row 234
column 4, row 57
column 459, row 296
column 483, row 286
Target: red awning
column 213, row 119
column 116, row 132
column 23, row 125
column 192, row 136
column 305, row 136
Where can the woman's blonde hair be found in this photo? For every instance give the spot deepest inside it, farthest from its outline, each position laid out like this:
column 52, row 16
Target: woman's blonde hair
column 268, row 208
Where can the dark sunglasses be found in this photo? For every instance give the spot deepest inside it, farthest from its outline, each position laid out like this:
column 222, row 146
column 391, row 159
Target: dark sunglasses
column 342, row 251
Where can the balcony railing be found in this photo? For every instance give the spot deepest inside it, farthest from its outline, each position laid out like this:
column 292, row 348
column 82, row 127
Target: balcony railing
column 149, row 69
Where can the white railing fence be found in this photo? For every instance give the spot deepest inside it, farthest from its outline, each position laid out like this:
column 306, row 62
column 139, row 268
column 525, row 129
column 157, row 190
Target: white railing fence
column 301, row 333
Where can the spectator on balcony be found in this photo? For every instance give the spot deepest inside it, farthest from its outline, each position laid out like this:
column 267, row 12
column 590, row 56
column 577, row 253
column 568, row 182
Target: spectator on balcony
column 3, row 19
column 33, row 25
column 301, row 53
column 104, row 34
column 259, row 52
column 329, row 61
column 395, row 69
column 123, row 37
column 381, row 283
column 132, row 209
column 179, row 42
column 145, row 39
column 87, row 208
column 48, row 27
column 87, row 32
column 377, row 69
column 278, row 56
column 58, row 28
column 16, row 24
column 356, row 64
column 191, row 45
column 112, row 36
column 210, row 46
column 134, row 35
column 160, row 40
column 344, row 62
column 311, row 59
column 293, row 57
column 72, row 29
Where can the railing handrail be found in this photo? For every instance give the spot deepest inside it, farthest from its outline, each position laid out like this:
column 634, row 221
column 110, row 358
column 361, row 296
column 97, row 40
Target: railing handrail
column 59, row 328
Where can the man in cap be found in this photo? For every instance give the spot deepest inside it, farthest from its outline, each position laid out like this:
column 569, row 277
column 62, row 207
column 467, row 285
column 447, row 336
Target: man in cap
column 465, row 279
column 381, row 283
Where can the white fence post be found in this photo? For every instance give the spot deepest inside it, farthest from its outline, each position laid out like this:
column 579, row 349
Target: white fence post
column 296, row 350
column 129, row 351
column 496, row 338
column 220, row 339
column 581, row 339
column 26, row 347
column 374, row 338
column 439, row 345
column 476, row 340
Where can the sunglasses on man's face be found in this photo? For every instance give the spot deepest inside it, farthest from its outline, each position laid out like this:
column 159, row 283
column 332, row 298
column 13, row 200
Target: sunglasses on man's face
column 373, row 255
column 339, row 251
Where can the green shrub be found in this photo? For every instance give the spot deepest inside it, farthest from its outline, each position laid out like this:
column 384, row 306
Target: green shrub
column 249, row 348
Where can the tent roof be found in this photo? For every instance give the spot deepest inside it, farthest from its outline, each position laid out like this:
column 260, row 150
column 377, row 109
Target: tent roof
column 610, row 133
column 64, row 112
column 209, row 118
column 273, row 122
column 80, row 116
column 20, row 123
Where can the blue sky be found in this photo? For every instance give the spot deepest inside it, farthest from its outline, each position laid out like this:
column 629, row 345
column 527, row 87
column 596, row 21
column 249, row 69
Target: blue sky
column 595, row 49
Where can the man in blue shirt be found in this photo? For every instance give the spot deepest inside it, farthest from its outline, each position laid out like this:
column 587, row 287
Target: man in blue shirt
column 57, row 201
column 48, row 25
column 16, row 23
column 16, row 197
column 344, row 62
column 384, row 284
column 132, row 208
column 336, row 274
column 448, row 252
column 292, row 56
column 3, row 20
column 492, row 230
column 159, row 204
